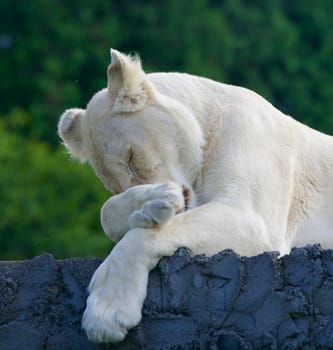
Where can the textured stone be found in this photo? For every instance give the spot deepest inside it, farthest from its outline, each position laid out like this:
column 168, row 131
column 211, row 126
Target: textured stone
column 222, row 302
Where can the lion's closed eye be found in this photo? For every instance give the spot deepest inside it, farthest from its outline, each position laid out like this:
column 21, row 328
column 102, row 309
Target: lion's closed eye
column 142, row 167
column 132, row 168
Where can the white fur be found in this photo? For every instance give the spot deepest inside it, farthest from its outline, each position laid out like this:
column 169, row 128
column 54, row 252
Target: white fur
column 257, row 180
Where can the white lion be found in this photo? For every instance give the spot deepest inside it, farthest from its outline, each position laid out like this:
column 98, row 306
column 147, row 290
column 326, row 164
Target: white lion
column 192, row 163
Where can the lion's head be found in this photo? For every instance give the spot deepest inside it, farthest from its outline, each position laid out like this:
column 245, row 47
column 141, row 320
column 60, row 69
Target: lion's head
column 132, row 134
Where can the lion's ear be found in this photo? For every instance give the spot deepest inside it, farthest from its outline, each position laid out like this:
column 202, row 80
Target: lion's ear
column 70, row 131
column 127, row 83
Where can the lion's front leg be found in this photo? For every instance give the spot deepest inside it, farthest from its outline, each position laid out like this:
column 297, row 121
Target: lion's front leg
column 118, row 289
column 143, row 206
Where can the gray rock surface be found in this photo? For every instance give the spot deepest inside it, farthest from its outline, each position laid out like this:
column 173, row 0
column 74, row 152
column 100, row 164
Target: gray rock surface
column 223, row 302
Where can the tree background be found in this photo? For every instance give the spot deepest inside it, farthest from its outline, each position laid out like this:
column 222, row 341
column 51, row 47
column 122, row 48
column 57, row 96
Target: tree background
column 54, row 54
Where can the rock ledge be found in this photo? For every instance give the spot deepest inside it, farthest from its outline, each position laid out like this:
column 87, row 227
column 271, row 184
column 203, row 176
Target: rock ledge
column 222, row 302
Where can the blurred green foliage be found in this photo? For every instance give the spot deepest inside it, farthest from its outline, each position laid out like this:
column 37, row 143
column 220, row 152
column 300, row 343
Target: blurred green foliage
column 54, row 53
column 48, row 202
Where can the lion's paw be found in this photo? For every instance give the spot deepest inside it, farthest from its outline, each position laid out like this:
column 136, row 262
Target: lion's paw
column 108, row 320
column 116, row 296
column 164, row 202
